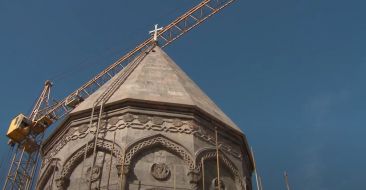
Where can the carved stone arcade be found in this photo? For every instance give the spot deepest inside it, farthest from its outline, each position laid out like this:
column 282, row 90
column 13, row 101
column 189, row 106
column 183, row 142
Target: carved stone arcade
column 148, row 143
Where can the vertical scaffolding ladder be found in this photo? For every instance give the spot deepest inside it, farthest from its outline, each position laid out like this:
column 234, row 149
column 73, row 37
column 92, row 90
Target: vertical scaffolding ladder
column 104, row 97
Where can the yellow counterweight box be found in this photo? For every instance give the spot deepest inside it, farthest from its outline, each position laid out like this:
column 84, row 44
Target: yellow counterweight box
column 19, row 128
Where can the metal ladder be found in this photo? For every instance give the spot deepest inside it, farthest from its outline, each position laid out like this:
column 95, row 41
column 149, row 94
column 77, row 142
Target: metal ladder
column 105, row 96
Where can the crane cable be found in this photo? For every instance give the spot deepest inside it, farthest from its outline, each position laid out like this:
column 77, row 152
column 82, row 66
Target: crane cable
column 104, row 97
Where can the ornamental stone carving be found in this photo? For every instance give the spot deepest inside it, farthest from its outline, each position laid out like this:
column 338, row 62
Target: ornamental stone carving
column 125, row 169
column 83, row 128
column 78, row 155
column 94, row 173
column 160, row 140
column 194, row 178
column 52, row 169
column 62, row 183
column 157, row 120
column 177, row 122
column 128, row 117
column 142, row 118
column 155, row 133
column 113, row 120
column 160, row 171
column 141, row 122
column 211, row 154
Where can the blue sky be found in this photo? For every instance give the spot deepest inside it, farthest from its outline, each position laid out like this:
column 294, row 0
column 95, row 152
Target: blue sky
column 290, row 73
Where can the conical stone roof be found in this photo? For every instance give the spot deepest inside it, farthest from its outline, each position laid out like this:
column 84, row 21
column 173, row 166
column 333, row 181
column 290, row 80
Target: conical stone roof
column 158, row 79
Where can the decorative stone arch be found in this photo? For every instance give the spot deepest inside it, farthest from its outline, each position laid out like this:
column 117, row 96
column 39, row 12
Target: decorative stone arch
column 155, row 140
column 77, row 157
column 52, row 167
column 210, row 153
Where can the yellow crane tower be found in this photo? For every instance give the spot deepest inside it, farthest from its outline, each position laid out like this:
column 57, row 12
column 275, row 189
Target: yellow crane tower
column 26, row 132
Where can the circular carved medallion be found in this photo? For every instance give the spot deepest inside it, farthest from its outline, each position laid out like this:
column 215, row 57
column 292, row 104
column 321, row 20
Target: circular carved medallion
column 95, row 173
column 160, row 171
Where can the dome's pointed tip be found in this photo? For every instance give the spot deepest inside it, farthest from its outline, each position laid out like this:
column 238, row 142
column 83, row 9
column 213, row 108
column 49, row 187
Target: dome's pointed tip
column 158, row 79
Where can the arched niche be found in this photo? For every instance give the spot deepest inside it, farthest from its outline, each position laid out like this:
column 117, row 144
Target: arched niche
column 77, row 169
column 229, row 174
column 46, row 181
column 157, row 162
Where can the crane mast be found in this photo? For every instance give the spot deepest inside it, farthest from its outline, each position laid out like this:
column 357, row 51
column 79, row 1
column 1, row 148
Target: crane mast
column 27, row 141
column 26, row 133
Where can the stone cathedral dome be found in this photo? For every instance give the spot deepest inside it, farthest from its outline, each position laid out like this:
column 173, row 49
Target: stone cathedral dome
column 157, row 131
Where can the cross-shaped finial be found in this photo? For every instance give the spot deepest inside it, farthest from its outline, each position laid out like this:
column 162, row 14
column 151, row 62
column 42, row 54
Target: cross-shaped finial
column 155, row 31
